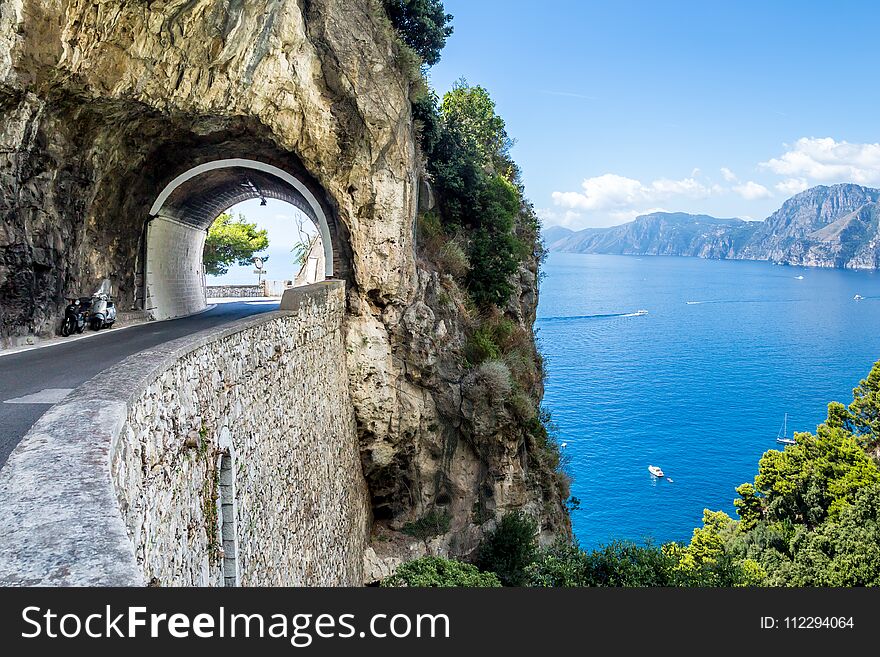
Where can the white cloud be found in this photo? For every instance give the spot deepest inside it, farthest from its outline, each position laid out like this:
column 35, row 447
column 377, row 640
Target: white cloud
column 792, row 186
column 829, row 161
column 611, row 192
column 568, row 219
column 729, row 175
column 752, row 191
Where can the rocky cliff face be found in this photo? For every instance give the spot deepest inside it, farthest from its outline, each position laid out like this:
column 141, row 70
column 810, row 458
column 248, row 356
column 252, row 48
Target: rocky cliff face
column 822, row 227
column 102, row 103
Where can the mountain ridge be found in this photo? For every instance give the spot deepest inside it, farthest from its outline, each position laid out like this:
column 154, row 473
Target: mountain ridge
column 824, row 226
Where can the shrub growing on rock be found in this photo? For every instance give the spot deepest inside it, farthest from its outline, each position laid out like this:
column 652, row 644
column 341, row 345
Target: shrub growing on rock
column 510, row 549
column 440, row 572
column 423, row 25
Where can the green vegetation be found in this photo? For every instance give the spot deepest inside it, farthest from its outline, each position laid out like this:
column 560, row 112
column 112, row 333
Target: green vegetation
column 811, row 518
column 423, row 25
column 626, row 564
column 467, row 148
column 431, row 524
column 440, row 572
column 232, row 242
column 510, row 549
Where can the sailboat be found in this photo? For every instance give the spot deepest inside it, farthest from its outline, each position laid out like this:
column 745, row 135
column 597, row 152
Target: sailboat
column 782, row 436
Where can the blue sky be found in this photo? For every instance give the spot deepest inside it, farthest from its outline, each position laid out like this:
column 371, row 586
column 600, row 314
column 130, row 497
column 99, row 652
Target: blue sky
column 623, row 107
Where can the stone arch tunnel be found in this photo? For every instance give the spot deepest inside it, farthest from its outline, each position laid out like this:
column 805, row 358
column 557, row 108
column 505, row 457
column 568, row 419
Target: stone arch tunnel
column 135, row 210
column 169, row 269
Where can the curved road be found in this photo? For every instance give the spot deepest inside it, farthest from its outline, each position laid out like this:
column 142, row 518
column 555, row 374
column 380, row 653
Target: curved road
column 31, row 381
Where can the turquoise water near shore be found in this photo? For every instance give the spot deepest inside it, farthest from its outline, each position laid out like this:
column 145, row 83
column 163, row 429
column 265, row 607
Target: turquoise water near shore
column 697, row 386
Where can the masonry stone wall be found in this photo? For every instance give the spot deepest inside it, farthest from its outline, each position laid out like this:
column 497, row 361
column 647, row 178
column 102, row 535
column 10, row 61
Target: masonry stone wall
column 234, row 291
column 228, row 457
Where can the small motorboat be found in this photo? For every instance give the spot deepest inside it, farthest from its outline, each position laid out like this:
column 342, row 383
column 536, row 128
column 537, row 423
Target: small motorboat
column 799, row 278
column 669, row 479
column 654, row 470
column 639, row 313
column 858, row 297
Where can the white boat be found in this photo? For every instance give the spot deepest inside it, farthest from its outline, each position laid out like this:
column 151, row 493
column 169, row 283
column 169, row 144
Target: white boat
column 799, row 278
column 654, row 470
column 858, row 297
column 782, row 436
column 640, row 312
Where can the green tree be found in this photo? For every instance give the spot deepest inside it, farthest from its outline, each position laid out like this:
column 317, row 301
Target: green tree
column 510, row 549
column 232, row 242
column 475, row 179
column 864, row 411
column 706, row 561
column 563, row 564
column 423, row 25
column 626, row 564
column 842, row 552
column 814, row 479
column 495, row 252
column 749, row 506
column 440, row 572
column 469, row 113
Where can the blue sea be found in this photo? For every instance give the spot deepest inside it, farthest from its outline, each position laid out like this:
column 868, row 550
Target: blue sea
column 698, row 386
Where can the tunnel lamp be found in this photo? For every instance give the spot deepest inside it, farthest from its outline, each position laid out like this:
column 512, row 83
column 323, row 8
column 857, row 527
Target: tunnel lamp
column 256, row 190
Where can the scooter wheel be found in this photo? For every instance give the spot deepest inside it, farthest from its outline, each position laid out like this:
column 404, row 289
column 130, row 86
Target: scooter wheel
column 81, row 328
column 65, row 329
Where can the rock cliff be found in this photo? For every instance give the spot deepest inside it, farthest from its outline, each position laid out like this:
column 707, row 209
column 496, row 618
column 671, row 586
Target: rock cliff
column 103, row 102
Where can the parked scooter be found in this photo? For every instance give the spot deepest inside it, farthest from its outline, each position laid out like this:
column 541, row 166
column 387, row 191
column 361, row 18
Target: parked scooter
column 75, row 316
column 102, row 313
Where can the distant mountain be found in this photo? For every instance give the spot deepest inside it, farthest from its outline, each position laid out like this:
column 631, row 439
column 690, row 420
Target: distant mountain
column 554, row 234
column 823, row 227
column 834, row 226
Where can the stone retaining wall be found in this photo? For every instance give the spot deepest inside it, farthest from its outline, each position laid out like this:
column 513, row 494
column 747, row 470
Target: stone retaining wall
column 233, row 291
column 227, row 457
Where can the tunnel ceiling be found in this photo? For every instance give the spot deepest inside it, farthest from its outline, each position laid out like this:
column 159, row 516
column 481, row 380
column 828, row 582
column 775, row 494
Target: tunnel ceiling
column 198, row 201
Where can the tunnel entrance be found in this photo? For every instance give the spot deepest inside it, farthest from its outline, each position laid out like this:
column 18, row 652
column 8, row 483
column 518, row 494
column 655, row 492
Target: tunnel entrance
column 171, row 278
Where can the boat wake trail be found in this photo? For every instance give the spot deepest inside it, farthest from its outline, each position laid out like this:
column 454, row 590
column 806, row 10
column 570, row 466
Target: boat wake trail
column 571, row 318
column 700, row 303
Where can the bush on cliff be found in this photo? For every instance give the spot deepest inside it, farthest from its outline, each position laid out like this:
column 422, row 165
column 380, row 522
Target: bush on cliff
column 423, row 25
column 440, row 572
column 467, row 149
column 510, row 549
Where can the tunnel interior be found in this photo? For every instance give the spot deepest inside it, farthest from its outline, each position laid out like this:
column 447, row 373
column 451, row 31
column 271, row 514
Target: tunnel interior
column 172, row 275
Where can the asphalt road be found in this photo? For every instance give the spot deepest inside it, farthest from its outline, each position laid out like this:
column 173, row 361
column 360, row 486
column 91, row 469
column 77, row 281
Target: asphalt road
column 66, row 365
